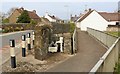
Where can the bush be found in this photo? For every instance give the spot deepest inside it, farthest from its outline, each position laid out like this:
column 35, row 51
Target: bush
column 72, row 27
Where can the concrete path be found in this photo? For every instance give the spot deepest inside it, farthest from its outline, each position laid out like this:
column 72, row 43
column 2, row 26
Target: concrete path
column 89, row 52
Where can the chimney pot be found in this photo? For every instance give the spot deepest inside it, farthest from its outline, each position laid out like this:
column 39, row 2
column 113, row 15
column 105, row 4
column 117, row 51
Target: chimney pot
column 22, row 8
column 89, row 9
column 34, row 11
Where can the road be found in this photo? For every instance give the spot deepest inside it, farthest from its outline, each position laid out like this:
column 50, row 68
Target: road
column 89, row 52
column 4, row 49
column 4, row 38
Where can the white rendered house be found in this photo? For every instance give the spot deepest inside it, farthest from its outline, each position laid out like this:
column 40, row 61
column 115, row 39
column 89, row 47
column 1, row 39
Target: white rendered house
column 53, row 18
column 50, row 18
column 96, row 20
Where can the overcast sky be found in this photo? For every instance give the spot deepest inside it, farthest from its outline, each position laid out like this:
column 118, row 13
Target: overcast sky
column 62, row 9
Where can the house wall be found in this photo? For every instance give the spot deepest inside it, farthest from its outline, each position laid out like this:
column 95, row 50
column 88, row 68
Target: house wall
column 49, row 18
column 77, row 24
column 13, row 17
column 112, row 22
column 113, row 29
column 95, row 21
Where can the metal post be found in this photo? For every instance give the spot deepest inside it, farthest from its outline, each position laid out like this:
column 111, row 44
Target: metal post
column 29, row 41
column 12, row 53
column 33, row 38
column 23, row 46
column 72, row 46
column 61, row 44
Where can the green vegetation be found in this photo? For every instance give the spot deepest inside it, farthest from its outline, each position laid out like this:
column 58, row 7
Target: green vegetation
column 114, row 33
column 117, row 67
column 24, row 17
column 5, row 20
column 72, row 27
column 33, row 22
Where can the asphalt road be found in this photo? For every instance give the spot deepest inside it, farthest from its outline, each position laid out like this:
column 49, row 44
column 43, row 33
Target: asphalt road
column 4, row 38
column 4, row 46
column 89, row 52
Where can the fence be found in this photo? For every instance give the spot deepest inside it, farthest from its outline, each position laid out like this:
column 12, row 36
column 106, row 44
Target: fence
column 108, row 61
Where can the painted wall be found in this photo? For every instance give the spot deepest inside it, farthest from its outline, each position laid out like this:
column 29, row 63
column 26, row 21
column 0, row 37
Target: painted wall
column 77, row 24
column 95, row 21
column 113, row 22
column 49, row 18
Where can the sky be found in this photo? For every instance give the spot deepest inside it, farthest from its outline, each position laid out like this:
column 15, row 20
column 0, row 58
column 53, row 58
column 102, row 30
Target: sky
column 61, row 9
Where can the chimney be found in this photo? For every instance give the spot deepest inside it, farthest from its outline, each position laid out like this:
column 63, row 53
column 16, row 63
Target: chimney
column 71, row 15
column 53, row 16
column 34, row 11
column 85, row 10
column 90, row 9
column 75, row 15
column 21, row 8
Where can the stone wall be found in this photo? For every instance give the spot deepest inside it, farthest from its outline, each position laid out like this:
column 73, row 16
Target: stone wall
column 113, row 28
column 67, row 43
column 60, row 28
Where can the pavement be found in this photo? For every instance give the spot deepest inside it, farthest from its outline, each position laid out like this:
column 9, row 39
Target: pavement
column 89, row 52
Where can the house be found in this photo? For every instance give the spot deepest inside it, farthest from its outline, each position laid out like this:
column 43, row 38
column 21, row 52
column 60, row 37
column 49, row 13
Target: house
column 73, row 18
column 53, row 18
column 113, row 28
column 97, row 20
column 17, row 12
column 45, row 21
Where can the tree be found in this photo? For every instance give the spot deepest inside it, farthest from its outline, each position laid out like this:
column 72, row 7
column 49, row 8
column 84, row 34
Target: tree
column 72, row 27
column 24, row 17
column 6, row 20
column 11, row 11
column 3, row 17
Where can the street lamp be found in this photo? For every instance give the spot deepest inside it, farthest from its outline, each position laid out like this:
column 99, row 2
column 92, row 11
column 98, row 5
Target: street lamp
column 67, row 10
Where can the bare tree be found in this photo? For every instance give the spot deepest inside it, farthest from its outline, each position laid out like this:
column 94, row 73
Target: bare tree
column 11, row 11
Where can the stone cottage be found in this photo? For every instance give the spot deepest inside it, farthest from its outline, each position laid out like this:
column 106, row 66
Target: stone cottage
column 17, row 12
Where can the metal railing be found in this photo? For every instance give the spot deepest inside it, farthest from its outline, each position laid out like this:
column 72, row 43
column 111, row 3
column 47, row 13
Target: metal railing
column 110, row 58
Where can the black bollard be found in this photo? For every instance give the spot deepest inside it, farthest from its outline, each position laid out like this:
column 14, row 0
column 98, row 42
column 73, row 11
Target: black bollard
column 23, row 46
column 12, row 53
column 72, row 52
column 33, row 38
column 29, row 41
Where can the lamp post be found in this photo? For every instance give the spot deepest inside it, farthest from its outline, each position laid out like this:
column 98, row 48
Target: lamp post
column 67, row 10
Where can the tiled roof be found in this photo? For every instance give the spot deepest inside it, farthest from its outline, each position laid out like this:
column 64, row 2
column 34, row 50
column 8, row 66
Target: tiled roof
column 107, row 16
column 54, row 17
column 74, row 19
column 84, row 15
column 110, row 16
column 45, row 20
column 32, row 14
